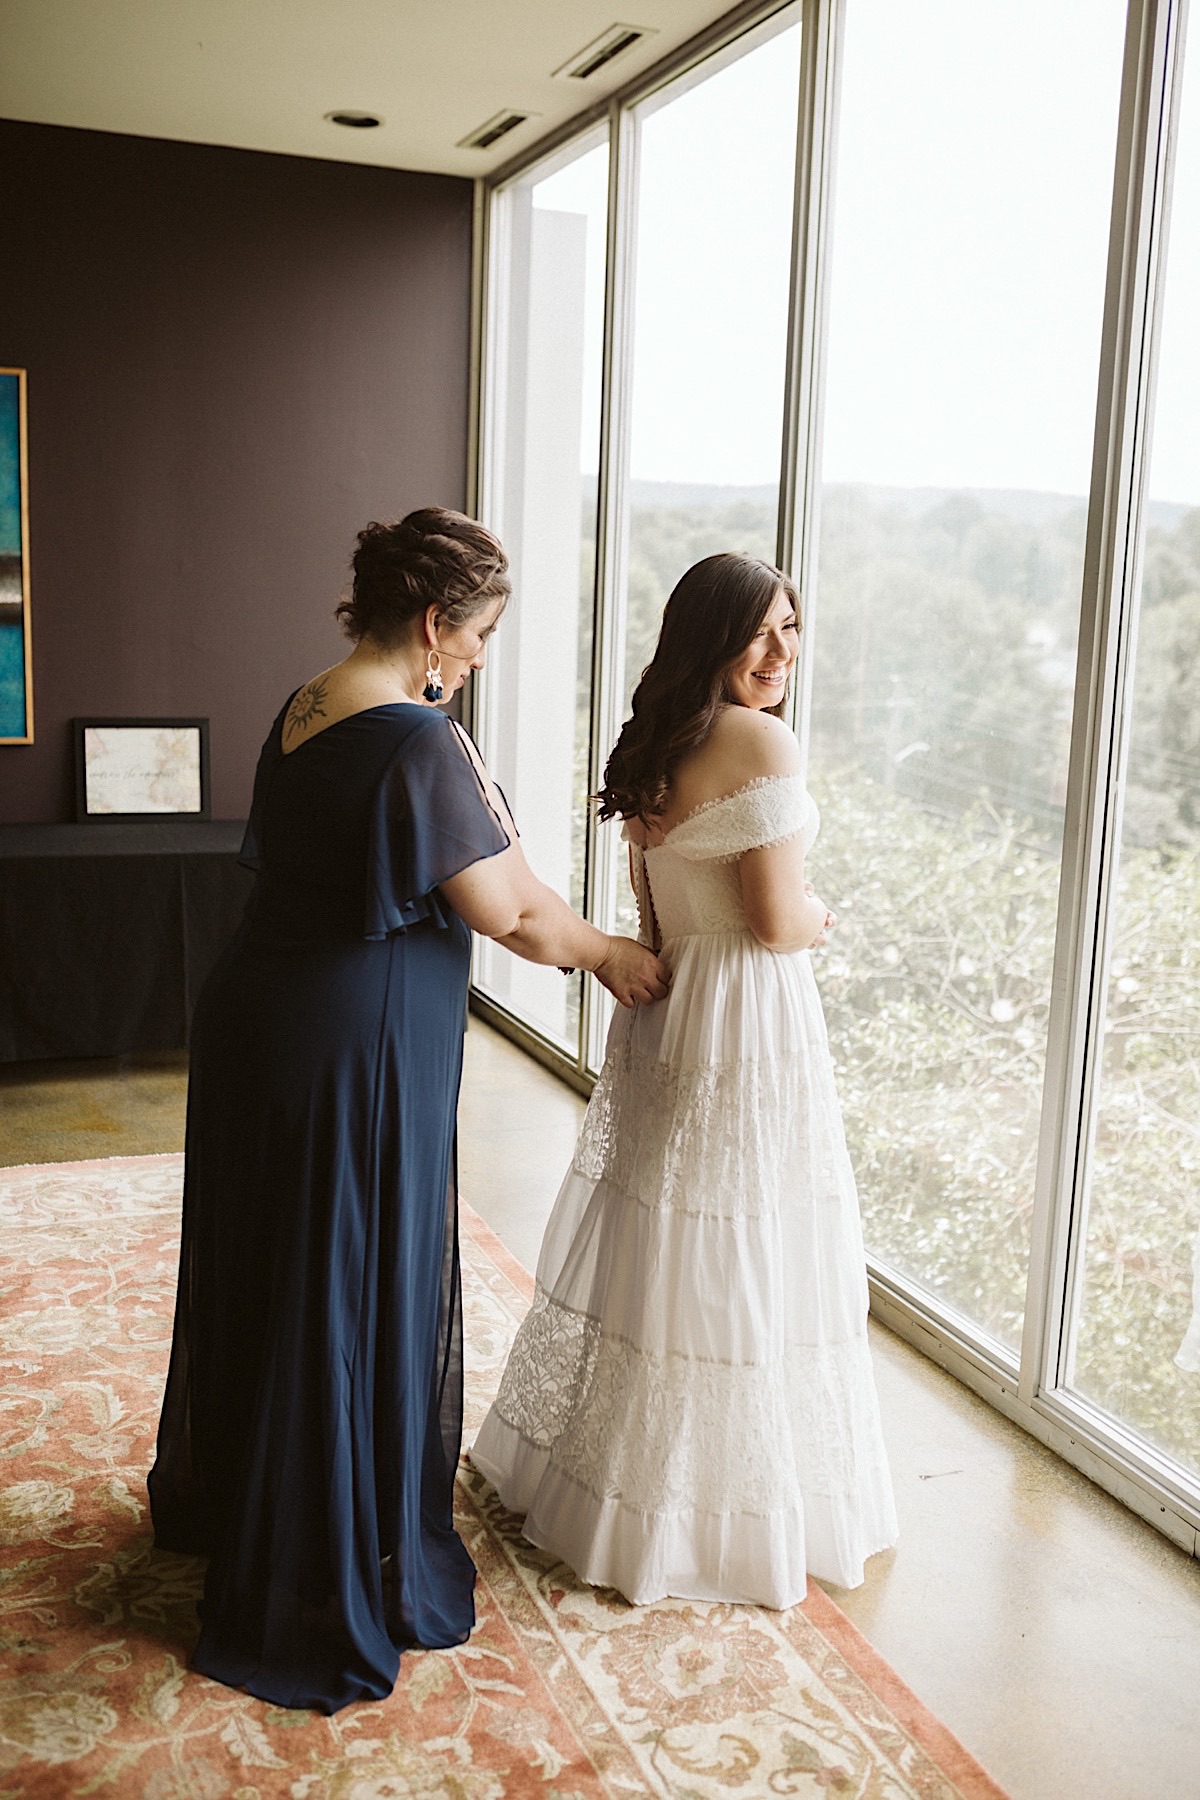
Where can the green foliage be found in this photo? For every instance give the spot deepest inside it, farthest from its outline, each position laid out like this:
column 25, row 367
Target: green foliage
column 663, row 543
column 1162, row 804
column 1145, row 1195
column 936, row 988
column 945, row 649
column 936, row 984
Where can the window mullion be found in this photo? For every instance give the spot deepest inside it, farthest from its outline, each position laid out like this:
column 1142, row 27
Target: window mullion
column 1092, row 817
column 821, row 35
column 608, row 641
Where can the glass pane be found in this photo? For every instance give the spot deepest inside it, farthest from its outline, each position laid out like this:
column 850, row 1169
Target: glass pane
column 1138, row 1347
column 973, row 192
column 540, row 477
column 716, row 173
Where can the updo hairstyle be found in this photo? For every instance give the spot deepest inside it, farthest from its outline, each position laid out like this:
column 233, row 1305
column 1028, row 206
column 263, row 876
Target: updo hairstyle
column 433, row 557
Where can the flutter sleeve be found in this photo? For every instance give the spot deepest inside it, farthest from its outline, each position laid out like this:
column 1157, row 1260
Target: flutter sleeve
column 250, row 854
column 431, row 819
column 764, row 812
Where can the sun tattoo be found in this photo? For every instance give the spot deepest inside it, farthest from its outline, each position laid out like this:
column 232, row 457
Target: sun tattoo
column 308, row 705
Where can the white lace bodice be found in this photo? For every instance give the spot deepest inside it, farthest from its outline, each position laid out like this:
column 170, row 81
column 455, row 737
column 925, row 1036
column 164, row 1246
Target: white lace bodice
column 692, row 876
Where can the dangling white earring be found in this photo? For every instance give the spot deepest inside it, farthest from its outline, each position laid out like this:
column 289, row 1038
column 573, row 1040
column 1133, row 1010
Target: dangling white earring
column 433, row 677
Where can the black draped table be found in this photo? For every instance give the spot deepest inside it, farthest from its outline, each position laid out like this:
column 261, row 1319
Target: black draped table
column 108, row 930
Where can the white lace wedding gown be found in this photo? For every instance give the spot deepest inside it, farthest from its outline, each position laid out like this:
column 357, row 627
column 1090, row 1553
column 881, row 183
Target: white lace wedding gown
column 689, row 1406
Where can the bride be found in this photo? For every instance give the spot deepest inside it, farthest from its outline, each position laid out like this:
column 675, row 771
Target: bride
column 689, row 1407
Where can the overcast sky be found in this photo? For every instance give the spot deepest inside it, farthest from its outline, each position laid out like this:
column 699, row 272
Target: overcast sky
column 972, row 209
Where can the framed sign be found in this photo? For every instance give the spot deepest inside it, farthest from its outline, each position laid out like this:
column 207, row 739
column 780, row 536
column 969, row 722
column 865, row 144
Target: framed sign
column 16, row 666
column 137, row 768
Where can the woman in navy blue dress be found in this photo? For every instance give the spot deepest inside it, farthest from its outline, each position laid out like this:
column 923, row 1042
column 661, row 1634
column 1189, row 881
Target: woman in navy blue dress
column 311, row 1424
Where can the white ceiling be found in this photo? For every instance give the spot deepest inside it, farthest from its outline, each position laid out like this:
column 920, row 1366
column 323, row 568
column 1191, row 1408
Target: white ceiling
column 261, row 74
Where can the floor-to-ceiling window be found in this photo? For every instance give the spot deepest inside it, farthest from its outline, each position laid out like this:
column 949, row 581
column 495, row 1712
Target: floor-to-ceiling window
column 699, row 349
column 876, row 295
column 974, row 183
column 713, row 154
column 541, row 462
column 1136, row 1350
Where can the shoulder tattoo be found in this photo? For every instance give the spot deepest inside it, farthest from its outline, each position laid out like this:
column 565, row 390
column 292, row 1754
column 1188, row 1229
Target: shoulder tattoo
column 308, row 705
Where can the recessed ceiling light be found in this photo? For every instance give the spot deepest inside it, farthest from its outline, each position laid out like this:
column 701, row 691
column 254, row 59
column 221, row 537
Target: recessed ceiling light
column 357, row 121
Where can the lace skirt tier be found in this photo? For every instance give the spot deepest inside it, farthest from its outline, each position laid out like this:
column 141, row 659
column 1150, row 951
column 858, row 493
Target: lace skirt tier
column 689, row 1407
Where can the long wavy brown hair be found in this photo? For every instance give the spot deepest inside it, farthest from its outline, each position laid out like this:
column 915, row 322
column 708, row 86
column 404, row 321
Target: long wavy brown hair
column 710, row 619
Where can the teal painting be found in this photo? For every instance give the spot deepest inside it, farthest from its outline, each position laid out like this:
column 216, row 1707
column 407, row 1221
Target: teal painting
column 16, row 723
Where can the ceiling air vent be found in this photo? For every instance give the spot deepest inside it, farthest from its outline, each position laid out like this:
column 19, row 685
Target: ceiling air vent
column 493, row 129
column 602, row 50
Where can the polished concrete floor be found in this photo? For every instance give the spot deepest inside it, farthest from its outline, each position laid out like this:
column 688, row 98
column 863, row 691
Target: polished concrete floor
column 1057, row 1635
column 78, row 1111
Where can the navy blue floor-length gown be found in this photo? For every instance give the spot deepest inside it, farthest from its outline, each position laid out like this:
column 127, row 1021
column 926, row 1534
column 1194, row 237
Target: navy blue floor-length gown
column 313, row 1411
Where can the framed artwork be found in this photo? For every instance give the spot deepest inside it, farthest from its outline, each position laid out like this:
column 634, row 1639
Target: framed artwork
column 16, row 665
column 139, row 768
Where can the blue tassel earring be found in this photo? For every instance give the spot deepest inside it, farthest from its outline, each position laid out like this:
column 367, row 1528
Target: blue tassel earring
column 433, row 678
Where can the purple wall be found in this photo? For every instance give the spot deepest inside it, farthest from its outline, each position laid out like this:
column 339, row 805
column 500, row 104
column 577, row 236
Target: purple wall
column 235, row 360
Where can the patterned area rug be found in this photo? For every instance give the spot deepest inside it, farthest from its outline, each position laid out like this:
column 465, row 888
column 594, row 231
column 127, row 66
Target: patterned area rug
column 563, row 1691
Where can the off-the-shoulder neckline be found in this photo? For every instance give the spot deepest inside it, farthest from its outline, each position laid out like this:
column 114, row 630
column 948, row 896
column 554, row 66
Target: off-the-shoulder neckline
column 759, row 781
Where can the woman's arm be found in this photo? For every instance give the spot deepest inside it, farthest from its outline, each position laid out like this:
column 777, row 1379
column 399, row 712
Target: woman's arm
column 781, row 908
column 501, row 898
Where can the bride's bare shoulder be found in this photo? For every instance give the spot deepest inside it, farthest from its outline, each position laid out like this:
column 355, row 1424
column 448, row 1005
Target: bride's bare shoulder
column 743, row 746
column 752, row 744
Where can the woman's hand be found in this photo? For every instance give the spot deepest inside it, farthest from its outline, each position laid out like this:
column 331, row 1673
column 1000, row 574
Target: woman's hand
column 830, row 920
column 501, row 898
column 631, row 973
